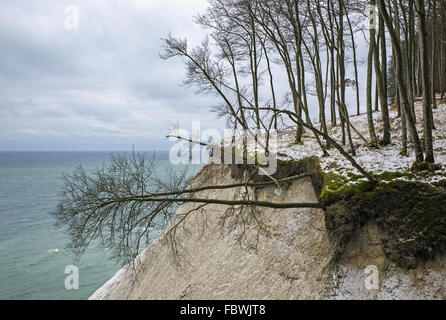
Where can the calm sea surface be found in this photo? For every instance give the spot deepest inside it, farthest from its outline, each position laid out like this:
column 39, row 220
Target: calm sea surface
column 32, row 250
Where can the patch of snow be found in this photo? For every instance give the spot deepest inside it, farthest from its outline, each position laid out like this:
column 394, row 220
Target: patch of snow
column 385, row 158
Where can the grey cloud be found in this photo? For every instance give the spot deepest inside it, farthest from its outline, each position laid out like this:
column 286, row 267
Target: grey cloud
column 62, row 89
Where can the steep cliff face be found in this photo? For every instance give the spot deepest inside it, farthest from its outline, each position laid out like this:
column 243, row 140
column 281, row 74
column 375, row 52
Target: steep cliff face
column 271, row 254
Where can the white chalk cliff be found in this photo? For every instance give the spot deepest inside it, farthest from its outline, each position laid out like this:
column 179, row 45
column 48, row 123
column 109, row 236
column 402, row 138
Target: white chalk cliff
column 291, row 260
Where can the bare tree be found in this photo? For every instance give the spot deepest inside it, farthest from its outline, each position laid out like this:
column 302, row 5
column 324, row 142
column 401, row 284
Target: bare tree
column 124, row 206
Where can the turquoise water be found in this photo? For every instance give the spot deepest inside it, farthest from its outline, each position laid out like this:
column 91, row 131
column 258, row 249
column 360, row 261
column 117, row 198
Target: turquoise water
column 32, row 250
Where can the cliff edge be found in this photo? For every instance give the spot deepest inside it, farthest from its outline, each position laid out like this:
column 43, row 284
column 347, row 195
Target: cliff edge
column 268, row 254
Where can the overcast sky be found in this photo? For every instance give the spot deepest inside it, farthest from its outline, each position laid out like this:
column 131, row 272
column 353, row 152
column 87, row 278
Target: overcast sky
column 101, row 87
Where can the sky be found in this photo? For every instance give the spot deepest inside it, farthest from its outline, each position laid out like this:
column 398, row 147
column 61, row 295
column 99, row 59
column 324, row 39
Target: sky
column 100, row 86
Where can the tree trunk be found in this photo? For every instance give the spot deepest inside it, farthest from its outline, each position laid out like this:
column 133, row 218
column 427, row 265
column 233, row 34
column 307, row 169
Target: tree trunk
column 442, row 49
column 397, row 91
column 382, row 90
column 427, row 105
column 341, row 48
column 371, row 126
column 382, row 36
column 355, row 64
column 413, row 57
column 434, row 49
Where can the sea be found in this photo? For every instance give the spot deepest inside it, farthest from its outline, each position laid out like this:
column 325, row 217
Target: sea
column 33, row 251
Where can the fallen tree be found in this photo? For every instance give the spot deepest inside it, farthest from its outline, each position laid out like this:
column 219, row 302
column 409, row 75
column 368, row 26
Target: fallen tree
column 122, row 205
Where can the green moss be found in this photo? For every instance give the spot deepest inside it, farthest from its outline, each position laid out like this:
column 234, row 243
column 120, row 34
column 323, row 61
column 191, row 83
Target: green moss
column 412, row 214
column 389, row 176
column 425, row 166
column 354, row 185
column 337, row 187
column 354, row 176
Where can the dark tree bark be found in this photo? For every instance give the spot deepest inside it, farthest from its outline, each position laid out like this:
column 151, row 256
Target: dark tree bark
column 427, row 105
column 355, row 64
column 434, row 51
column 397, row 91
column 382, row 92
column 371, row 125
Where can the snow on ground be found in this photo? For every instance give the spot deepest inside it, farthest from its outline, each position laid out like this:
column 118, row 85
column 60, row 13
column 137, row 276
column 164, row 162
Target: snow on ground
column 386, row 158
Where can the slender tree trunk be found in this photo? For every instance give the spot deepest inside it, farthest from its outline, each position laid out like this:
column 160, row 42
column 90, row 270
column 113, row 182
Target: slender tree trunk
column 419, row 66
column 413, row 57
column 330, row 34
column 355, row 64
column 382, row 36
column 427, row 105
column 376, row 52
column 376, row 94
column 271, row 82
column 408, row 56
column 371, row 125
column 332, row 89
column 434, row 51
column 397, row 91
column 338, row 100
column 381, row 87
column 442, row 49
column 341, row 48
